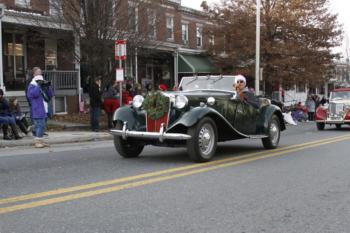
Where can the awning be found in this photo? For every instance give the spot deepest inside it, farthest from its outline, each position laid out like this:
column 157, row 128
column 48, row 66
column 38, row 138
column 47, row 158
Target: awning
column 195, row 64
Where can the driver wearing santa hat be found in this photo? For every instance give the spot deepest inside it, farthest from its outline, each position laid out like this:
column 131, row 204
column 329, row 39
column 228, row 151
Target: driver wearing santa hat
column 243, row 92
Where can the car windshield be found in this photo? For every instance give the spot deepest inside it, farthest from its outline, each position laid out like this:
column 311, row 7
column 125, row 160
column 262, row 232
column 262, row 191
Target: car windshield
column 337, row 95
column 224, row 83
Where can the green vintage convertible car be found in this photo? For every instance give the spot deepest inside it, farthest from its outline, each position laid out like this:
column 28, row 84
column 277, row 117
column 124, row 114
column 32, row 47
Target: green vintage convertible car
column 204, row 112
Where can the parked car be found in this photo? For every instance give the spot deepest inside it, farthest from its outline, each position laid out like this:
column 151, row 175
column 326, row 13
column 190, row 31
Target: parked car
column 199, row 116
column 336, row 112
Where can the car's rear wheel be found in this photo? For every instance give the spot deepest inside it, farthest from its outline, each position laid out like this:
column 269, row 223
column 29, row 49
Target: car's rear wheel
column 128, row 148
column 202, row 145
column 320, row 125
column 338, row 126
column 274, row 133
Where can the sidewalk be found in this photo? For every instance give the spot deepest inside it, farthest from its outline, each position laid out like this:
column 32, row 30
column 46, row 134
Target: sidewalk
column 71, row 133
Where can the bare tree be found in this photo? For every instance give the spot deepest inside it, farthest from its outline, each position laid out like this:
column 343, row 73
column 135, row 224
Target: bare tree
column 297, row 38
column 96, row 24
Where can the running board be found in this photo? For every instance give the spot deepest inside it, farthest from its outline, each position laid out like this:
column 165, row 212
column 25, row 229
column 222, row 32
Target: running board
column 258, row 136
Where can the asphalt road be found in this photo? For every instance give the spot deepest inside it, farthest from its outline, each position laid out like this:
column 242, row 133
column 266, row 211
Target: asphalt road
column 303, row 186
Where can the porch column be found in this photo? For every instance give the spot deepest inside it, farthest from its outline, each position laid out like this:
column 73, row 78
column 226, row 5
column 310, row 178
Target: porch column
column 176, row 68
column 326, row 89
column 77, row 63
column 136, row 67
column 1, row 55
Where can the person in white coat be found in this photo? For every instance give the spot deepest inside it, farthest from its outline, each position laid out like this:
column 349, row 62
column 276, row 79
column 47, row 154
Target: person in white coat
column 310, row 105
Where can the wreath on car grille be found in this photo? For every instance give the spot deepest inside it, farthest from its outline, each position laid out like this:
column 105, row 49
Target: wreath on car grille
column 156, row 105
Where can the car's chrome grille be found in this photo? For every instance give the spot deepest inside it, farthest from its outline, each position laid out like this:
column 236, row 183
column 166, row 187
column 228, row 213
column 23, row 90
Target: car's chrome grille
column 154, row 125
column 335, row 109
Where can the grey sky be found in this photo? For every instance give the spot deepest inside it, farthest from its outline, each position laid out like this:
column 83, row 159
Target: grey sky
column 340, row 7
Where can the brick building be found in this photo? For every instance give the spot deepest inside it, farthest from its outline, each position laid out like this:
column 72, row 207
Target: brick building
column 31, row 36
column 179, row 39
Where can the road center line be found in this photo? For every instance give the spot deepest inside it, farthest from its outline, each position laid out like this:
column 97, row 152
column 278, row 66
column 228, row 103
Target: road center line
column 164, row 178
column 150, row 174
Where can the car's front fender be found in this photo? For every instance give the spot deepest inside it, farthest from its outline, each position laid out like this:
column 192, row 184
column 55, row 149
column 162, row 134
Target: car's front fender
column 135, row 119
column 191, row 117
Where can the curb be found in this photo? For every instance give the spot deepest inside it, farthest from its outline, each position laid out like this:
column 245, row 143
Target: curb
column 53, row 141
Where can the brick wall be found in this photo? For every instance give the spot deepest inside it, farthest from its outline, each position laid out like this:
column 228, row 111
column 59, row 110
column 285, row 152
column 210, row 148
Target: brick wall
column 72, row 104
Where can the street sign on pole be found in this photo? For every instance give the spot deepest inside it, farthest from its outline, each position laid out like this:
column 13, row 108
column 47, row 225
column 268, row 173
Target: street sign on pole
column 120, row 50
column 119, row 75
column 120, row 55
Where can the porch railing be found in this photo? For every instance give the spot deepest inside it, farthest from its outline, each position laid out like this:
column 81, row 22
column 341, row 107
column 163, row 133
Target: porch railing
column 62, row 80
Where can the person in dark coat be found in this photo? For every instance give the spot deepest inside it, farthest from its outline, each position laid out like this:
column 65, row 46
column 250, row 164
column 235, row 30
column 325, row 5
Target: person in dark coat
column 6, row 118
column 20, row 117
column 111, row 102
column 95, row 94
column 243, row 92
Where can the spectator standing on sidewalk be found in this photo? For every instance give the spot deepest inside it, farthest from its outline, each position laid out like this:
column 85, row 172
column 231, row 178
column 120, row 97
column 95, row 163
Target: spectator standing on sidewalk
column 95, row 94
column 126, row 95
column 39, row 109
column 111, row 102
column 310, row 105
column 30, row 75
column 6, row 118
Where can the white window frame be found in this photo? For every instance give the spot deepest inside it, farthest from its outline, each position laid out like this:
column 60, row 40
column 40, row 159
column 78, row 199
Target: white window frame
column 55, row 7
column 199, row 36
column 170, row 26
column 184, row 31
column 23, row 3
column 212, row 40
column 152, row 22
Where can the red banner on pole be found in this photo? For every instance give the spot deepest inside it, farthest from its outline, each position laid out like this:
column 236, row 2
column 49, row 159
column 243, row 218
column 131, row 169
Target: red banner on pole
column 120, row 50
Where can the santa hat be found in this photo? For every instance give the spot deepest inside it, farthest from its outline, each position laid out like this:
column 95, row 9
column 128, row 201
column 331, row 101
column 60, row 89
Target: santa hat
column 240, row 78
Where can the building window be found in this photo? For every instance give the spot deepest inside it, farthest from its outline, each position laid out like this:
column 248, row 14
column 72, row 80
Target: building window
column 185, row 33
column 199, row 36
column 211, row 40
column 170, row 27
column 23, row 3
column 55, row 7
column 132, row 18
column 152, row 23
column 60, row 105
column 14, row 61
column 50, row 54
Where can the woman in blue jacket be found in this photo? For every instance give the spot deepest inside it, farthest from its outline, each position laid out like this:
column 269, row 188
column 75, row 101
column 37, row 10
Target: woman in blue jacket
column 39, row 108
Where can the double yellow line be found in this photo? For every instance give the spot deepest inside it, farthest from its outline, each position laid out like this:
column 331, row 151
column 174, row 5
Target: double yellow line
column 23, row 202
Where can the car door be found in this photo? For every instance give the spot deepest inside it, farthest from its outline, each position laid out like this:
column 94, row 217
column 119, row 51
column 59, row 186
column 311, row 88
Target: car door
column 246, row 118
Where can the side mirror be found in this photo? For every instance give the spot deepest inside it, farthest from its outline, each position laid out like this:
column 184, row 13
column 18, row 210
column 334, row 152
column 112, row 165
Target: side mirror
column 2, row 10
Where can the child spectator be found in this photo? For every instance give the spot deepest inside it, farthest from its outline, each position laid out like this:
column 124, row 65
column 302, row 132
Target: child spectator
column 20, row 117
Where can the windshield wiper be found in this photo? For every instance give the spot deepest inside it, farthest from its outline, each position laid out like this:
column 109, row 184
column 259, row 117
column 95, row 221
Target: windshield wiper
column 221, row 77
column 192, row 80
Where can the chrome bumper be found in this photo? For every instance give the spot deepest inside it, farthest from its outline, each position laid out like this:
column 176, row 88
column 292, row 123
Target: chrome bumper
column 329, row 121
column 161, row 135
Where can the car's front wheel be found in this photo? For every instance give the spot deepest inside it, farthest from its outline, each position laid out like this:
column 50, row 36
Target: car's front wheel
column 128, row 148
column 202, row 145
column 274, row 133
column 320, row 125
column 338, row 126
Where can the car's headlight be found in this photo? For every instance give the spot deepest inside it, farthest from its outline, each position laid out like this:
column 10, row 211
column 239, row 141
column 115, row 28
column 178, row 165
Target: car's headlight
column 181, row 101
column 137, row 101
